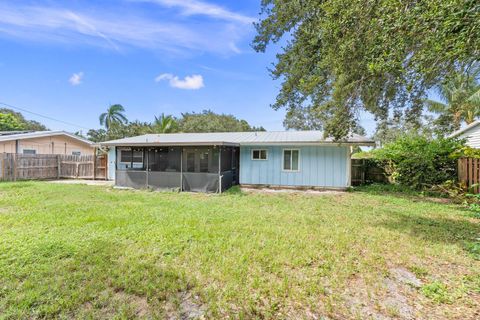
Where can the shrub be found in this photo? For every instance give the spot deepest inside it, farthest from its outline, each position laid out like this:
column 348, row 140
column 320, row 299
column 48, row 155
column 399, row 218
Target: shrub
column 419, row 162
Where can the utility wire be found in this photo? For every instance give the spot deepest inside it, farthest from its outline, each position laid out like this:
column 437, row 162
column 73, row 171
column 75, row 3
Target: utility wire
column 41, row 115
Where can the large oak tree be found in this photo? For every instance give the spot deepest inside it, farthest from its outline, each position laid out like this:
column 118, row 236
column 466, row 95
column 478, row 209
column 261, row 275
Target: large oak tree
column 340, row 57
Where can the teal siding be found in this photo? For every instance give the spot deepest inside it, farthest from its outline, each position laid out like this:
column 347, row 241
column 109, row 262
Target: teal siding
column 320, row 166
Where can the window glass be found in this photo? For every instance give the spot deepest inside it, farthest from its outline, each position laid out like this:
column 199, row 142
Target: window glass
column 295, row 160
column 204, row 162
column 126, row 156
column 76, row 153
column 263, row 154
column 191, row 162
column 259, row 154
column 29, row 151
column 287, row 157
column 137, row 156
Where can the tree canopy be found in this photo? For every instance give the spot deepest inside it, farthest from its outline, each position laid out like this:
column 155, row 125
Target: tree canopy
column 114, row 116
column 339, row 58
column 19, row 122
column 209, row 121
column 460, row 94
column 206, row 121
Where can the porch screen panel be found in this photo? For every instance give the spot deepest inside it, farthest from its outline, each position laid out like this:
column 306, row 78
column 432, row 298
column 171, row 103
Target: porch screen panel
column 165, row 159
column 200, row 169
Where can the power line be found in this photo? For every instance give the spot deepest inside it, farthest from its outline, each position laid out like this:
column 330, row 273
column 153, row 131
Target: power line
column 43, row 116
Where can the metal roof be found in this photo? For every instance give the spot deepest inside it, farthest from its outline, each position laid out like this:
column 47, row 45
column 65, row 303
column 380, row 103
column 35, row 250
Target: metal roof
column 41, row 134
column 237, row 138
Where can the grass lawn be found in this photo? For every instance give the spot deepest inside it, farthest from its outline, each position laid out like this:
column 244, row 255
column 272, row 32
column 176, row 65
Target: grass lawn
column 76, row 251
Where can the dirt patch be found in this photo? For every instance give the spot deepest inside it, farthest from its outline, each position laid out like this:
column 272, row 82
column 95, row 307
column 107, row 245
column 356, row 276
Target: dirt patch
column 404, row 276
column 185, row 306
column 394, row 298
column 139, row 303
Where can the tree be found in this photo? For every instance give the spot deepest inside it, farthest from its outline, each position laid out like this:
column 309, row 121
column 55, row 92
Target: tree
column 26, row 124
column 208, row 121
column 8, row 122
column 375, row 56
column 165, row 124
column 113, row 116
column 461, row 100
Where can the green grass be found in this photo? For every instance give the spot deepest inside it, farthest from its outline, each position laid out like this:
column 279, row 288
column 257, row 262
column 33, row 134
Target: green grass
column 76, row 251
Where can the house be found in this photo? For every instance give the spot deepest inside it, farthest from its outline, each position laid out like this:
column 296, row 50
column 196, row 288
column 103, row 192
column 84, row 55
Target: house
column 212, row 162
column 471, row 133
column 44, row 142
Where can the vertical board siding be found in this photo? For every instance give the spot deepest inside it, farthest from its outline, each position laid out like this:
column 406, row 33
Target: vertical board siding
column 320, row 166
column 469, row 173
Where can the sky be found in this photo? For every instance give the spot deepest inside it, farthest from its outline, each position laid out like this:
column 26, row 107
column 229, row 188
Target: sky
column 70, row 60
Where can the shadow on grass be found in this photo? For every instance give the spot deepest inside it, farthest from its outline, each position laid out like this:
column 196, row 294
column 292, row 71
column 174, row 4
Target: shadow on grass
column 436, row 230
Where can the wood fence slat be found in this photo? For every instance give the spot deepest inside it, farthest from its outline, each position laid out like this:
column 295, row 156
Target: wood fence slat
column 31, row 167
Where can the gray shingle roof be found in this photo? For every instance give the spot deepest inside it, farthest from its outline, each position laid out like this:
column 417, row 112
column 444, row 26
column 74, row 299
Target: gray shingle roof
column 236, row 138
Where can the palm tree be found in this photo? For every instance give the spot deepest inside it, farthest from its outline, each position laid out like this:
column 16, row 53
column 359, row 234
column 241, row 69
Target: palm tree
column 164, row 124
column 114, row 115
column 461, row 94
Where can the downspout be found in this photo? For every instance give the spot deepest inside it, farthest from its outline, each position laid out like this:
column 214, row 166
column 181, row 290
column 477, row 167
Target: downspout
column 17, row 146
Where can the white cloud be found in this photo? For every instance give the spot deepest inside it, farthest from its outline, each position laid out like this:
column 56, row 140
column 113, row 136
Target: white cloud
column 116, row 29
column 76, row 79
column 195, row 7
column 193, row 82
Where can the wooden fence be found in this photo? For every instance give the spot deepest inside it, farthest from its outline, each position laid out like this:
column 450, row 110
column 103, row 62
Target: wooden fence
column 365, row 171
column 51, row 166
column 469, row 173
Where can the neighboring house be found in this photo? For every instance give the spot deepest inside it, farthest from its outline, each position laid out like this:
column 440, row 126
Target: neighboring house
column 44, row 142
column 212, row 162
column 470, row 133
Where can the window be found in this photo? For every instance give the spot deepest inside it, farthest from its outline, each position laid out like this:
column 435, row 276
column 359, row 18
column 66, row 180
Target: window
column 191, row 162
column 259, row 154
column 126, row 156
column 29, row 151
column 137, row 156
column 76, row 153
column 204, row 162
column 291, row 159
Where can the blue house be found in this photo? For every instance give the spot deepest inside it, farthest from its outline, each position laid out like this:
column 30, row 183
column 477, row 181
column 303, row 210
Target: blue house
column 213, row 162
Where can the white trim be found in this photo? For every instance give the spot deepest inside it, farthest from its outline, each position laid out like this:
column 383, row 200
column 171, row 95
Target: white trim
column 291, row 159
column 259, row 153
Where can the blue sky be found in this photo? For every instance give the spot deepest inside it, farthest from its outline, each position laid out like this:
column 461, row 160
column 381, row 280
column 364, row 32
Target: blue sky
column 71, row 59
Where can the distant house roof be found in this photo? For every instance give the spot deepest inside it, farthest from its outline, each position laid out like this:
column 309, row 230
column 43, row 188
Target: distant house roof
column 19, row 135
column 236, row 139
column 463, row 130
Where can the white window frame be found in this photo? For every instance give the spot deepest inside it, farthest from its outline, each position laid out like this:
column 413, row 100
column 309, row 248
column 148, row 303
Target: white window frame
column 291, row 159
column 31, row 153
column 259, row 153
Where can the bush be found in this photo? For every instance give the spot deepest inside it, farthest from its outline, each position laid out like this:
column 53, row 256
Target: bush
column 419, row 162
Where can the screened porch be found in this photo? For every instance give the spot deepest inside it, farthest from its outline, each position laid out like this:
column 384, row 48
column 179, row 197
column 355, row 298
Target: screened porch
column 185, row 168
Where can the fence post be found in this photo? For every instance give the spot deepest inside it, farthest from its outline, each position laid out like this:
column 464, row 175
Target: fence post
column 14, row 167
column 58, row 166
column 95, row 165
